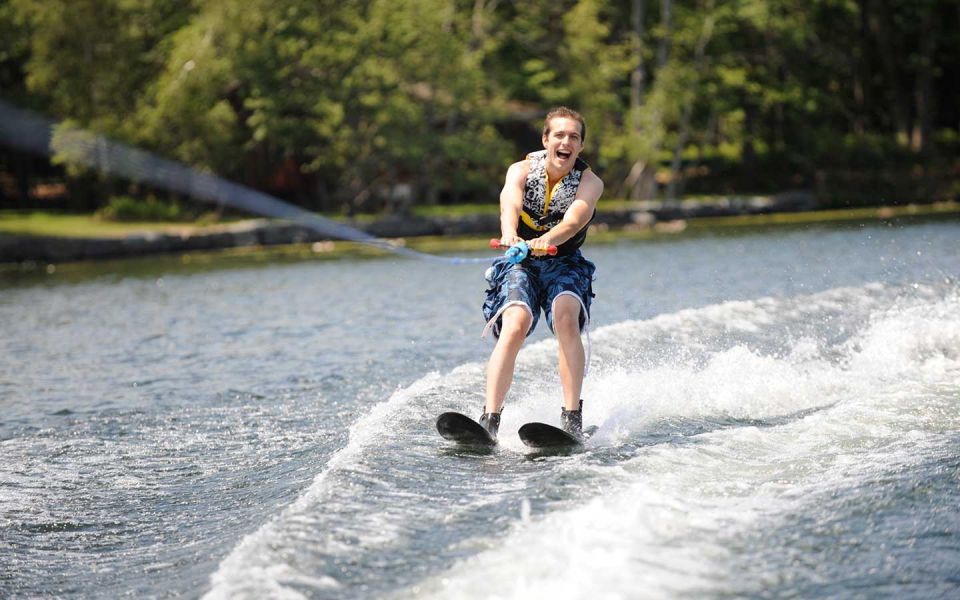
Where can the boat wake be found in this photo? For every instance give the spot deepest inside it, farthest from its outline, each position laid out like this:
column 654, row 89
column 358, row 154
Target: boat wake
column 722, row 430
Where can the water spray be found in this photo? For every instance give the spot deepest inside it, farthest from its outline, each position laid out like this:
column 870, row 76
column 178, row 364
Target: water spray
column 30, row 132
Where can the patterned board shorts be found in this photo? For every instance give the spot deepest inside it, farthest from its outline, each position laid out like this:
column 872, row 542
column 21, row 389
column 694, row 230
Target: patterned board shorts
column 536, row 282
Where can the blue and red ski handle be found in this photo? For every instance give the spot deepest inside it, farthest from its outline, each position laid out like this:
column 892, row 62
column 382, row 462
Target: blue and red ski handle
column 516, row 253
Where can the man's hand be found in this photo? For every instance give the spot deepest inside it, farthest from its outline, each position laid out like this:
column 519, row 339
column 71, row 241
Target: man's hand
column 539, row 246
column 508, row 240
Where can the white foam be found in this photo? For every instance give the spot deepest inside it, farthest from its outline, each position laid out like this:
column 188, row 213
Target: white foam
column 760, row 433
column 919, row 341
column 256, row 568
column 664, row 524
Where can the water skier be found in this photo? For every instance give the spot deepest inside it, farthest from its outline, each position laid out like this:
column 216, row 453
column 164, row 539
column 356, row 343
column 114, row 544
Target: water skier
column 549, row 198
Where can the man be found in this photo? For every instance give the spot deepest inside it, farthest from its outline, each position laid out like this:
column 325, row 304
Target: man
column 548, row 199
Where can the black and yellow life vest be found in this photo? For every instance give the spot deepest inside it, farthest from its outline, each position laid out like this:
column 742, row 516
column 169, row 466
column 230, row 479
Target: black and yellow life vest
column 543, row 207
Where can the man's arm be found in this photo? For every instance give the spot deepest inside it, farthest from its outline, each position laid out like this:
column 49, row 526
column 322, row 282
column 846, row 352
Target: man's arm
column 511, row 202
column 576, row 217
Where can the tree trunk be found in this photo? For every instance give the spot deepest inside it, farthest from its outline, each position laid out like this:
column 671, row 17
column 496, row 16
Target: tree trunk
column 748, row 154
column 922, row 133
column 637, row 81
column 637, row 92
column 862, row 72
column 683, row 134
column 683, row 129
column 634, row 179
column 666, row 21
column 883, row 29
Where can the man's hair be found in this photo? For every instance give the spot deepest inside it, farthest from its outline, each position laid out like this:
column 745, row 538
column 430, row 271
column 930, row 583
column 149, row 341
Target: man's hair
column 565, row 113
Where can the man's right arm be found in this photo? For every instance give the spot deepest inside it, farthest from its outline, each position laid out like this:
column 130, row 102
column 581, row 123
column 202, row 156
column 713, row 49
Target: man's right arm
column 511, row 202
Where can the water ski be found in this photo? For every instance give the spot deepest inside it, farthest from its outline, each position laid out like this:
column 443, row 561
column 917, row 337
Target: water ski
column 541, row 435
column 463, row 430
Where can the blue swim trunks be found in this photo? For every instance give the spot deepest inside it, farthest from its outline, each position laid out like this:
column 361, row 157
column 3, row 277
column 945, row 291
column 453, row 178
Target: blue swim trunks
column 535, row 283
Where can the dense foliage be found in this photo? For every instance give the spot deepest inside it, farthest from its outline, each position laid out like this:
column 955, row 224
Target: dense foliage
column 382, row 103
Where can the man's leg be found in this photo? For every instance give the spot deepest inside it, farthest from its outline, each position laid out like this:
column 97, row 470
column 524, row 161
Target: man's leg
column 516, row 321
column 566, row 326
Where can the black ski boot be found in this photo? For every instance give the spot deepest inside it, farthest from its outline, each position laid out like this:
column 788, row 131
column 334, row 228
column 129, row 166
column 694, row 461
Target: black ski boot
column 571, row 421
column 490, row 422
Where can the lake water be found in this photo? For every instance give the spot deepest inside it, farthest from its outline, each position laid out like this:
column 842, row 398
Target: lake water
column 779, row 416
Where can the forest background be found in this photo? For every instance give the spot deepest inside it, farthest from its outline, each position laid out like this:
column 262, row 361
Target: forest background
column 383, row 105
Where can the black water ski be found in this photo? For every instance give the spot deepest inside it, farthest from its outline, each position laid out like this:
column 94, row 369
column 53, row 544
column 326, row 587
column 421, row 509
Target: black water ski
column 463, row 430
column 541, row 435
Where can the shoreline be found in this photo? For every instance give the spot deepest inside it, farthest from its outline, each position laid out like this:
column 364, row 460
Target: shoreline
column 646, row 219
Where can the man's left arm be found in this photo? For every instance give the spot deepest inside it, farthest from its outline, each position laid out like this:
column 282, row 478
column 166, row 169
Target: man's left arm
column 576, row 217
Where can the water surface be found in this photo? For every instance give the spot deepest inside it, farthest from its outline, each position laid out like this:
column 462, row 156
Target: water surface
column 779, row 415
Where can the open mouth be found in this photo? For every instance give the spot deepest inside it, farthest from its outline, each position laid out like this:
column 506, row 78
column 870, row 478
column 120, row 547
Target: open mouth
column 563, row 154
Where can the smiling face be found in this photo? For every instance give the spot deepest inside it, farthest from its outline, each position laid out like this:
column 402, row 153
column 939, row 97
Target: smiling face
column 563, row 140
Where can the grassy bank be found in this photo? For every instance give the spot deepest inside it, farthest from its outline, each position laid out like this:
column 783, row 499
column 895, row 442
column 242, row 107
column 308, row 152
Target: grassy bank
column 245, row 257
column 40, row 223
column 49, row 224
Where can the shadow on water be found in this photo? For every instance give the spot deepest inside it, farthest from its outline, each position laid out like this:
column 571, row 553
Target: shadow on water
column 545, row 453
column 685, row 431
column 690, row 428
column 465, row 451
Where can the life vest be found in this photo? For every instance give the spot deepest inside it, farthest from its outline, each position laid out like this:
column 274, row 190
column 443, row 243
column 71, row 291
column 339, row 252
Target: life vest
column 544, row 208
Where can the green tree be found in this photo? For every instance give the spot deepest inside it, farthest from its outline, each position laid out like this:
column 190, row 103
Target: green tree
column 14, row 51
column 421, row 104
column 86, row 63
column 91, row 58
column 365, row 96
column 380, row 103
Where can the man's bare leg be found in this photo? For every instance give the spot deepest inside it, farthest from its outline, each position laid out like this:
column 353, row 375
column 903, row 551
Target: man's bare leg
column 566, row 326
column 515, row 323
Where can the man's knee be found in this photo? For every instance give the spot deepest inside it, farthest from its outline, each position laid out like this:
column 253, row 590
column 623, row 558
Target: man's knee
column 566, row 315
column 515, row 321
